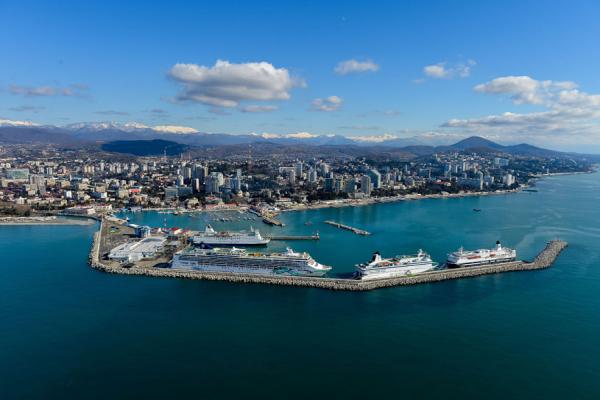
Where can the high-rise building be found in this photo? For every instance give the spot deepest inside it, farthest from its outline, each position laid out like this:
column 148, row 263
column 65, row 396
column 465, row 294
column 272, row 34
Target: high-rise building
column 350, row 186
column 375, row 178
column 299, row 167
column 365, row 185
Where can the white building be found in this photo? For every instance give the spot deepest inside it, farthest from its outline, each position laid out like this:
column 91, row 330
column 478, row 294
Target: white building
column 135, row 251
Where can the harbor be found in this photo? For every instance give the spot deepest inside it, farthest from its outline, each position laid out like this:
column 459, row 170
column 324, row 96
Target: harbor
column 106, row 238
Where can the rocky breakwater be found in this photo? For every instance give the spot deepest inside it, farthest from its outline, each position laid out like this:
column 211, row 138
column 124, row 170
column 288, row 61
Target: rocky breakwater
column 543, row 260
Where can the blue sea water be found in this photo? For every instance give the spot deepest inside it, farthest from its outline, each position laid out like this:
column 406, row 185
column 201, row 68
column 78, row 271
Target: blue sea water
column 67, row 331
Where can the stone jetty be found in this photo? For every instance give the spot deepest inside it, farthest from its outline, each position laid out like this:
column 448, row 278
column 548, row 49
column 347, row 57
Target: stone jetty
column 543, row 260
column 348, row 228
column 305, row 237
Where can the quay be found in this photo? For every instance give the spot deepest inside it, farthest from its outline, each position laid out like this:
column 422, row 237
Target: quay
column 348, row 228
column 307, row 237
column 272, row 221
column 101, row 244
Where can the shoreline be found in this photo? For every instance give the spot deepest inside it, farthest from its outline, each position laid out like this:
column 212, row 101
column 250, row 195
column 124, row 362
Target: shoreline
column 365, row 202
column 40, row 221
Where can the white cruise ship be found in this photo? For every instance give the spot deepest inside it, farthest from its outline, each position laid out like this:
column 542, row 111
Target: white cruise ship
column 244, row 262
column 462, row 258
column 214, row 238
column 394, row 267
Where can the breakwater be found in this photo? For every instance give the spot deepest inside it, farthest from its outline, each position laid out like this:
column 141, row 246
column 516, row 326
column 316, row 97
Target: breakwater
column 305, row 237
column 272, row 221
column 543, row 260
column 348, row 228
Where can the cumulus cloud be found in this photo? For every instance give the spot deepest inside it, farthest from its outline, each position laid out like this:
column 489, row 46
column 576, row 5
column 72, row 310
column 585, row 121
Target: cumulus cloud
column 568, row 111
column 227, row 84
column 355, row 66
column 331, row 103
column 255, row 108
column 76, row 90
column 445, row 70
column 524, row 89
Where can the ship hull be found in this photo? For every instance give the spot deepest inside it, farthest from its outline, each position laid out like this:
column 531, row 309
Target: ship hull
column 393, row 272
column 222, row 243
column 276, row 271
column 450, row 264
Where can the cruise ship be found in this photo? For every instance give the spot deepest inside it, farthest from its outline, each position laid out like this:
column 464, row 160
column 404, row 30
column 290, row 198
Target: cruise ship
column 462, row 258
column 214, row 238
column 394, row 267
column 244, row 262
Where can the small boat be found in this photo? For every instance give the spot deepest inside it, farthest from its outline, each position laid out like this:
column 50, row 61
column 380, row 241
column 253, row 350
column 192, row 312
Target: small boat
column 477, row 209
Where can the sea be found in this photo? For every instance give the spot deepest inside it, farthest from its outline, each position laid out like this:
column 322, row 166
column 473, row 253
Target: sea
column 70, row 332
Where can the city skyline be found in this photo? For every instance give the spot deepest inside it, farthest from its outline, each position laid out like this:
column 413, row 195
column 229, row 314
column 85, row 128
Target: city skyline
column 372, row 72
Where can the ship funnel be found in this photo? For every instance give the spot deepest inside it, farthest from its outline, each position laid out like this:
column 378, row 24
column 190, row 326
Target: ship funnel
column 376, row 257
column 498, row 245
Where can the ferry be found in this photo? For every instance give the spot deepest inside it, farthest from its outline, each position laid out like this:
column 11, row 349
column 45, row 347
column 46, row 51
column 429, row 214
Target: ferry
column 240, row 261
column 226, row 238
column 463, row 258
column 398, row 266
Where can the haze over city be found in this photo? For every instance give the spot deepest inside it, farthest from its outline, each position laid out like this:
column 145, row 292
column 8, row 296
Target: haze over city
column 440, row 71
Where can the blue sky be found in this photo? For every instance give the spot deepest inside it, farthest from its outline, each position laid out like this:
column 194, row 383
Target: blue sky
column 414, row 68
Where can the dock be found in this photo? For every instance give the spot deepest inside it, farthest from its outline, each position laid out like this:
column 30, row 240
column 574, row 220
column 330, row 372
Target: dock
column 348, row 228
column 543, row 260
column 272, row 221
column 306, row 237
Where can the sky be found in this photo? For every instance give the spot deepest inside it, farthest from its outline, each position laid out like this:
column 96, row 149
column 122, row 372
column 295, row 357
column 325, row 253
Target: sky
column 511, row 71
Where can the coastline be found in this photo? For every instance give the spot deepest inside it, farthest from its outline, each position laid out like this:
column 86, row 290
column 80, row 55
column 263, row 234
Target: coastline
column 36, row 221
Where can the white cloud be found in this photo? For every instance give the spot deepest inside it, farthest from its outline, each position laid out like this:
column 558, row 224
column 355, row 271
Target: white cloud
column 436, row 71
column 355, row 66
column 174, row 129
column 255, row 108
column 331, row 103
column 524, row 89
column 48, row 91
column 226, row 84
column 374, row 138
column 8, row 122
column 297, row 135
column 444, row 70
column 568, row 111
column 130, row 127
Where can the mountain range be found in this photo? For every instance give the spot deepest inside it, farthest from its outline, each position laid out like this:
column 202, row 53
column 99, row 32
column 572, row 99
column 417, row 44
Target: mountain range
column 131, row 138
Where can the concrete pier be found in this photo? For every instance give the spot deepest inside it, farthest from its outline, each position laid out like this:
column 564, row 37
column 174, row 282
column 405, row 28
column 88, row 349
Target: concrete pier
column 308, row 237
column 348, row 228
column 272, row 221
column 543, row 260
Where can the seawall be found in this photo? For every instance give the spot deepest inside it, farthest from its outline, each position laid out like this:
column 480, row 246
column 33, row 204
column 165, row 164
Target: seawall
column 543, row 260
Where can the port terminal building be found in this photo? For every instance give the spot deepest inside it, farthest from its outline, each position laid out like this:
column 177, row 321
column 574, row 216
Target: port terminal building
column 148, row 247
